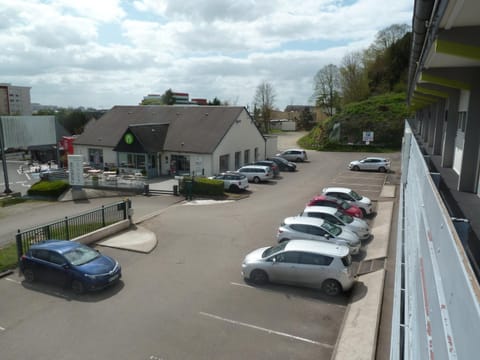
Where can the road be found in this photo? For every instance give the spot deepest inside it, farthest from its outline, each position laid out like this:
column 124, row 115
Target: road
column 186, row 299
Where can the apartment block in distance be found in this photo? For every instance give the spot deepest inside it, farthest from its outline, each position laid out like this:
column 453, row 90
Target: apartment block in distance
column 15, row 100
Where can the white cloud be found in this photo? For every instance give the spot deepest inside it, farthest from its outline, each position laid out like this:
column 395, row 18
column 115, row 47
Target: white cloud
column 222, row 48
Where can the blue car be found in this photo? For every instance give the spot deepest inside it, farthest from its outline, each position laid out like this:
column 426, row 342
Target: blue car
column 69, row 263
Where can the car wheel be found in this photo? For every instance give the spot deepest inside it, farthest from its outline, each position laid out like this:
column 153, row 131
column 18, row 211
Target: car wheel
column 331, row 287
column 356, row 168
column 299, row 160
column 256, row 179
column 78, row 287
column 381, row 169
column 259, row 277
column 233, row 188
column 29, row 275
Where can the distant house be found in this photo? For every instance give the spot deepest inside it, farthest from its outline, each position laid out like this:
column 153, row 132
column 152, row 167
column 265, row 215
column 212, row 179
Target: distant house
column 164, row 140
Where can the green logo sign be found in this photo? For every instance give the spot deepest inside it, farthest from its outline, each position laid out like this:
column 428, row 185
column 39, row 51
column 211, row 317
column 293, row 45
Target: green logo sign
column 128, row 138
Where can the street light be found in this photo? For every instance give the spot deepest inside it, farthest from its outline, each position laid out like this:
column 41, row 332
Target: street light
column 4, row 161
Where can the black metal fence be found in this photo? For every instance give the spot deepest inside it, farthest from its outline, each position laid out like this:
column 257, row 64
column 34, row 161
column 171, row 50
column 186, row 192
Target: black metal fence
column 74, row 226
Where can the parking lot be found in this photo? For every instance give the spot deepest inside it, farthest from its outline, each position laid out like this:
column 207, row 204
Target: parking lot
column 187, row 299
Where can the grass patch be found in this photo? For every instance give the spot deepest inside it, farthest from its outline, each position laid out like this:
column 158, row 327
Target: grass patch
column 8, row 257
column 11, row 201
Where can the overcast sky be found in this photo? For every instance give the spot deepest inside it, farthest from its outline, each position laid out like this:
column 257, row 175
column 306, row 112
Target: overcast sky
column 101, row 53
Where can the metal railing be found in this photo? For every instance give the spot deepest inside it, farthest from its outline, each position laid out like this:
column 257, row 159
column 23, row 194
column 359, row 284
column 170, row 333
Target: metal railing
column 436, row 312
column 73, row 226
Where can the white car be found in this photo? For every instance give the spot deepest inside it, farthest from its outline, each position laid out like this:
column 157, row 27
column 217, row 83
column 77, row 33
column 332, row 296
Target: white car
column 309, row 228
column 351, row 197
column 335, row 216
column 370, row 163
column 232, row 181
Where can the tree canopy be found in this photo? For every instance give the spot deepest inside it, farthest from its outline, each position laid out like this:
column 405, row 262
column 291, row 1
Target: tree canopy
column 264, row 101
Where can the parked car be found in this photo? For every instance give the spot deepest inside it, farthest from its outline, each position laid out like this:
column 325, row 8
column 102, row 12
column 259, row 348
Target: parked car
column 335, row 216
column 53, row 174
column 308, row 228
column 297, row 155
column 232, row 181
column 302, row 262
column 351, row 197
column 343, row 206
column 272, row 164
column 256, row 173
column 69, row 263
column 283, row 165
column 370, row 163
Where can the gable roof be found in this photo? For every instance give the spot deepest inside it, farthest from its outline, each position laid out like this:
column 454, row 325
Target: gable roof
column 196, row 129
column 150, row 138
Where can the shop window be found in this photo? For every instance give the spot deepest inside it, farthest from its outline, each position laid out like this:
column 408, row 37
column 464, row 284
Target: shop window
column 224, row 160
column 95, row 157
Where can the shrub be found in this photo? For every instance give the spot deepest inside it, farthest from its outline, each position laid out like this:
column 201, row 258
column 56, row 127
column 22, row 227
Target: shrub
column 202, row 186
column 51, row 189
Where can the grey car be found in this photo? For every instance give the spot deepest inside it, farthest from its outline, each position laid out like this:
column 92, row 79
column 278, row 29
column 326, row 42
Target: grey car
column 297, row 155
column 309, row 228
column 335, row 216
column 302, row 262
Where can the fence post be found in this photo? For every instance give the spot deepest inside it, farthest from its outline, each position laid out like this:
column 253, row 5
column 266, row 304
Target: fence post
column 46, row 232
column 66, row 228
column 103, row 215
column 18, row 239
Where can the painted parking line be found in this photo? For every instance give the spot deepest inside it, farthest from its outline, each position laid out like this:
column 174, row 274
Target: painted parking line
column 276, row 292
column 2, row 328
column 269, row 331
column 13, row 280
column 337, row 183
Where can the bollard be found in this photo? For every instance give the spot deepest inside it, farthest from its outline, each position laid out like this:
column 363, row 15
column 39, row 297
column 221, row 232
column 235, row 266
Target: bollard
column 146, row 189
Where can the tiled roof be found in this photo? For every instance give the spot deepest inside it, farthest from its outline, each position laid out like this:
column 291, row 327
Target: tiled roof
column 196, row 129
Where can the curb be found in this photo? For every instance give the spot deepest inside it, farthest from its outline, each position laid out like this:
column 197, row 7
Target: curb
column 6, row 273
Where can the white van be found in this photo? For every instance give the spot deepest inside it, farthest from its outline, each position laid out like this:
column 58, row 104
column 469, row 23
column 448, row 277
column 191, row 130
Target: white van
column 307, row 263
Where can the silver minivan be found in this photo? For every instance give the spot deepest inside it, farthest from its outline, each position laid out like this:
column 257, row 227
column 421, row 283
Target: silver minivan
column 256, row 173
column 306, row 263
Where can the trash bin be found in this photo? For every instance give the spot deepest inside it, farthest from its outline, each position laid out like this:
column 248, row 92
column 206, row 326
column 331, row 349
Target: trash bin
column 175, row 190
column 146, row 189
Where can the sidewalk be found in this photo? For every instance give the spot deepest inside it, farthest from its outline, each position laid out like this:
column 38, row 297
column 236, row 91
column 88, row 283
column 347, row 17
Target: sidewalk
column 358, row 338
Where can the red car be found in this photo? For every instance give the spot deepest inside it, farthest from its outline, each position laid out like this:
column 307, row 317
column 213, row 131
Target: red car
column 322, row 200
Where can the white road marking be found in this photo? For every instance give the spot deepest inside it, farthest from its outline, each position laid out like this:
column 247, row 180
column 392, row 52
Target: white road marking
column 2, row 328
column 290, row 295
column 269, row 331
column 13, row 280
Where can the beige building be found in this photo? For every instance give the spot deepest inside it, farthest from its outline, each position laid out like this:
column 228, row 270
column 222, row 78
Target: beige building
column 15, row 100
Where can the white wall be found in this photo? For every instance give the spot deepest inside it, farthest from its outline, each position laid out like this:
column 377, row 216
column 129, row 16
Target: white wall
column 109, row 156
column 243, row 135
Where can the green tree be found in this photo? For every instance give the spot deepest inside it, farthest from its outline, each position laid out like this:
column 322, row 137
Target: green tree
column 327, row 89
column 264, row 100
column 306, row 120
column 215, row 102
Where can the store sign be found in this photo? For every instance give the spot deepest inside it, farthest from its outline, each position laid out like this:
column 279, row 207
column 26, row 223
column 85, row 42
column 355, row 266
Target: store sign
column 75, row 170
column 128, row 138
column 368, row 136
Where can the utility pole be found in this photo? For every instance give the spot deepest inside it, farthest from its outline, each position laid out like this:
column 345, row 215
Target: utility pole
column 4, row 161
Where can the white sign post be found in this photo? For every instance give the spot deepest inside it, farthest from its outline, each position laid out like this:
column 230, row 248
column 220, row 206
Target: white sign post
column 75, row 170
column 367, row 137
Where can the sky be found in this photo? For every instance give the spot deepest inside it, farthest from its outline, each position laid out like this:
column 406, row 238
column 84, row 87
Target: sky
column 101, row 53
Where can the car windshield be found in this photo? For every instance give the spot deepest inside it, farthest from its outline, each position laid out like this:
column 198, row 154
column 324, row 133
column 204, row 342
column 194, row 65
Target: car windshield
column 347, row 219
column 355, row 195
column 81, row 255
column 274, row 249
column 331, row 228
column 282, row 160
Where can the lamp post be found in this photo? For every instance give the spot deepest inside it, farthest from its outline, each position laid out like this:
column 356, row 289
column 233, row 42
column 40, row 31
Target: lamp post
column 4, row 161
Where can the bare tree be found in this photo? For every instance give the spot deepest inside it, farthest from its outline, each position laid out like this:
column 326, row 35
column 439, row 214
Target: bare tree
column 353, row 78
column 264, row 101
column 388, row 36
column 327, row 89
